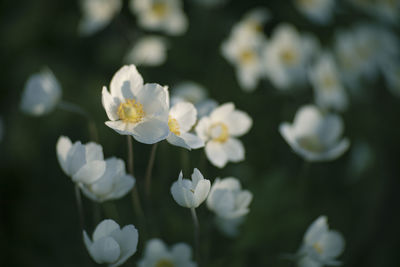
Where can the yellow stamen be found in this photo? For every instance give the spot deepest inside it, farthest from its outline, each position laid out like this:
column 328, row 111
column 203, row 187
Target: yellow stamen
column 255, row 26
column 288, row 56
column 318, row 248
column 131, row 111
column 164, row 263
column 328, row 81
column 311, row 143
column 247, row 56
column 219, row 132
column 159, row 9
column 173, row 126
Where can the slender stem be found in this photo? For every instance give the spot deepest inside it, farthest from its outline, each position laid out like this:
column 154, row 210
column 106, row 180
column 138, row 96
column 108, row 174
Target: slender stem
column 130, row 154
column 196, row 235
column 149, row 170
column 80, row 207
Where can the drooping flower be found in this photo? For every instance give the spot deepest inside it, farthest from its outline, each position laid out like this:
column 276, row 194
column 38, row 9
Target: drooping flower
column 113, row 184
column 148, row 51
column 319, row 11
column 315, row 135
column 136, row 109
column 97, row 14
column 157, row 254
column 162, row 15
column 41, row 94
column 321, row 246
column 83, row 163
column 329, row 92
column 220, row 131
column 182, row 117
column 110, row 244
column 287, row 56
column 190, row 193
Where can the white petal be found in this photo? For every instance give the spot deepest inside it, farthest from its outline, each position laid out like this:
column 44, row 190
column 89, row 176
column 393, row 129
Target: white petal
column 90, row 172
column 182, row 252
column 238, row 123
column 243, row 199
column 124, row 185
column 332, row 243
column 182, row 196
column 307, row 120
column 93, row 152
column 331, row 129
column 127, row 239
column 203, row 127
column 121, row 127
column 185, row 114
column 196, row 177
column 154, row 248
column 216, row 154
column 175, row 140
column 151, row 131
column 222, row 202
column 316, row 230
column 63, row 146
column 126, row 83
column 105, row 250
column 192, row 140
column 105, row 228
column 335, row 151
column 76, row 158
column 201, row 191
column 153, row 97
column 219, row 114
column 308, row 262
column 233, row 149
column 110, row 104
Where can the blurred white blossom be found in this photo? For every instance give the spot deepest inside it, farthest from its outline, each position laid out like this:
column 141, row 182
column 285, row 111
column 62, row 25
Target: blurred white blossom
column 190, row 193
column 41, row 94
column 220, row 131
column 229, row 227
column 385, row 10
column 321, row 246
column 136, row 109
column 319, row 11
column 329, row 92
column 113, row 184
column 148, row 51
column 157, row 254
column 110, row 244
column 162, row 15
column 315, row 135
column 287, row 56
column 97, row 14
column 83, row 163
column 182, row 117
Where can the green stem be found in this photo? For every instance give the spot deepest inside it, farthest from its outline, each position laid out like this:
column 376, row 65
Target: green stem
column 196, row 235
column 80, row 207
column 149, row 170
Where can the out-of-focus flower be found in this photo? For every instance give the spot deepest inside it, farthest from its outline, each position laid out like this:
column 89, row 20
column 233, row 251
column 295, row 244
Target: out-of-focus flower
column 148, row 51
column 219, row 131
column 136, row 109
column 227, row 199
column 113, row 184
column 360, row 160
column 321, row 246
column 41, row 94
column 392, row 77
column 110, row 244
column 252, row 24
column 319, row 11
column 314, row 135
column 157, row 254
column 182, row 117
column 385, row 10
column 162, row 15
column 190, row 193
column 97, row 14
column 195, row 94
column 229, row 227
column 287, row 56
column 325, row 79
column 83, row 163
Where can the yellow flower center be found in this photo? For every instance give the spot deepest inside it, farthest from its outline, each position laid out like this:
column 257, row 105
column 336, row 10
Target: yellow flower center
column 328, row 81
column 288, row 56
column 306, row 3
column 318, row 248
column 131, row 111
column 255, row 26
column 159, row 9
column 247, row 56
column 311, row 143
column 219, row 132
column 173, row 126
column 164, row 263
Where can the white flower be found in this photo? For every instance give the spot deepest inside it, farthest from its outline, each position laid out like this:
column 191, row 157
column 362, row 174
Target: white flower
column 319, row 11
column 148, row 51
column 97, row 14
column 287, row 56
column 325, row 79
column 83, row 163
column 219, row 131
column 321, row 246
column 110, row 244
column 227, row 199
column 136, row 109
column 182, row 117
column 252, row 24
column 41, row 94
column 190, row 193
column 314, row 135
column 113, row 184
column 163, row 15
column 229, row 227
column 156, row 254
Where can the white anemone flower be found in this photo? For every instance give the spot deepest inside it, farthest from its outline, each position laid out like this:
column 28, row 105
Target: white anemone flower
column 287, row 56
column 321, row 246
column 182, row 117
column 136, row 109
column 315, row 135
column 220, row 131
column 190, row 193
column 110, row 244
column 157, row 254
column 113, row 184
column 329, row 92
column 97, row 14
column 227, row 199
column 148, row 51
column 41, row 94
column 162, row 15
column 252, row 24
column 318, row 11
column 83, row 163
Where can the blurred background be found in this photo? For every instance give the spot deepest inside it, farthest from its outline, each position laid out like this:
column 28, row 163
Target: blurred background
column 39, row 224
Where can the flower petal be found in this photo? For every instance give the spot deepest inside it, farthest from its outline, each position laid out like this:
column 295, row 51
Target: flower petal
column 216, row 154
column 110, row 104
column 124, row 185
column 220, row 113
column 76, row 158
column 175, row 140
column 238, row 123
column 126, row 83
column 332, row 243
column 63, row 146
column 93, row 152
column 90, row 172
column 203, row 127
column 105, row 228
column 234, row 149
column 151, row 131
column 127, row 239
column 201, row 192
column 192, row 140
column 315, row 231
column 105, row 250
column 153, row 97
column 186, row 114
